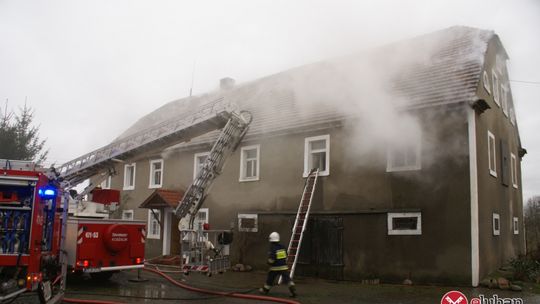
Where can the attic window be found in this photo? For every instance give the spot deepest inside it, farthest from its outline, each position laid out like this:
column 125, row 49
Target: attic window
column 495, row 88
column 317, row 155
column 247, row 222
column 496, row 224
column 405, row 156
column 485, row 78
column 491, row 155
column 409, row 223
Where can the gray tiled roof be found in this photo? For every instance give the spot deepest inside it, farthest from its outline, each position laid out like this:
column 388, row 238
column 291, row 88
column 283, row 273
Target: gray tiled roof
column 438, row 68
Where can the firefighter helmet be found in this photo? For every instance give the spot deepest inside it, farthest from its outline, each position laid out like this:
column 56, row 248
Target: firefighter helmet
column 274, row 237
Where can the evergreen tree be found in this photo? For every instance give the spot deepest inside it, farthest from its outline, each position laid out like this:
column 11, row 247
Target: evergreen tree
column 19, row 139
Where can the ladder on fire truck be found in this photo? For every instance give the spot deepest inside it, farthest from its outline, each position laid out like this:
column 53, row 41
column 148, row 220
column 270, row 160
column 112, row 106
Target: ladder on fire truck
column 300, row 223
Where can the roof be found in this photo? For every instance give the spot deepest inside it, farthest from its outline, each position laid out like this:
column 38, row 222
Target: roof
column 442, row 67
column 162, row 198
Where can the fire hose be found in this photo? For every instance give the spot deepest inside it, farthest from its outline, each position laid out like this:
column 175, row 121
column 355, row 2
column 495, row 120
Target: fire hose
column 194, row 289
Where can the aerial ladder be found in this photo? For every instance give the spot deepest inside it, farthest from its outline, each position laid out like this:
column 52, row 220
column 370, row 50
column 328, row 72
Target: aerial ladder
column 99, row 164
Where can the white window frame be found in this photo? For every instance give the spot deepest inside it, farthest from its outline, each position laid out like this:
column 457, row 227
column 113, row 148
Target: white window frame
column 513, row 168
column 151, row 182
column 486, row 82
column 308, row 152
column 512, row 116
column 197, row 221
column 504, row 100
column 244, row 160
column 125, row 212
column 392, row 231
column 496, row 218
column 196, row 157
column 126, row 179
column 492, row 155
column 390, row 154
column 106, row 184
column 248, row 216
column 515, row 224
column 495, row 83
column 151, row 219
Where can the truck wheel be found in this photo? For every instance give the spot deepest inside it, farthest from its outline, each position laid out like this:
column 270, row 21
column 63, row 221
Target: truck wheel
column 101, row 276
column 44, row 292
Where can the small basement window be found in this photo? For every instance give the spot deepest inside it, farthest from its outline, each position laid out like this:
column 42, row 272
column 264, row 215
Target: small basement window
column 247, row 222
column 317, row 154
column 515, row 225
column 492, row 158
column 156, row 173
column 513, row 169
column 496, row 224
column 249, row 163
column 409, row 223
column 127, row 215
column 485, row 79
column 129, row 176
column 154, row 228
column 198, row 162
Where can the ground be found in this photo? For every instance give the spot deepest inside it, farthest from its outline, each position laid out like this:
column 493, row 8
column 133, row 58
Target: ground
column 157, row 290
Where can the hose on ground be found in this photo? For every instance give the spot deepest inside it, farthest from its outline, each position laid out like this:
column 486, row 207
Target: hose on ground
column 221, row 293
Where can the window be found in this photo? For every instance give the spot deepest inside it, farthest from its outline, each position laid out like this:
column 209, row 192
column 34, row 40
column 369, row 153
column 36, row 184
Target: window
column 129, row 177
column 127, row 215
column 201, row 218
column 486, row 82
column 247, row 222
column 405, row 156
column 317, row 154
column 199, row 160
column 504, row 100
column 512, row 116
column 495, row 83
column 496, row 224
column 409, row 223
column 513, row 168
column 515, row 225
column 491, row 155
column 249, row 163
column 106, row 184
column 156, row 173
column 154, row 227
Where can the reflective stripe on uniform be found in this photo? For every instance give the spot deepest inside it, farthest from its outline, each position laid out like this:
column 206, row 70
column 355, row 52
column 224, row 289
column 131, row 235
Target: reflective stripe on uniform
column 281, row 254
column 279, row 268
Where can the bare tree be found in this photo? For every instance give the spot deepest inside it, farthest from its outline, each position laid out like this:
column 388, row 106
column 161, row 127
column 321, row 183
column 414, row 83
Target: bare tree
column 532, row 226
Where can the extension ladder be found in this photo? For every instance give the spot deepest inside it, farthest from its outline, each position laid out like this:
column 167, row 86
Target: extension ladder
column 227, row 142
column 300, row 223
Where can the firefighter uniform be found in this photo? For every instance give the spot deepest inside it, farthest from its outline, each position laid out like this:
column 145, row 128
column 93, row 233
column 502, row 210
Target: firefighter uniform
column 277, row 259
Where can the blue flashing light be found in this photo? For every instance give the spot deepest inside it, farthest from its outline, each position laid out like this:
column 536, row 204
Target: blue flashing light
column 47, row 192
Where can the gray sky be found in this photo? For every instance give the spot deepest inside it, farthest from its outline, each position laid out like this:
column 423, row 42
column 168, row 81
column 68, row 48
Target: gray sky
column 92, row 68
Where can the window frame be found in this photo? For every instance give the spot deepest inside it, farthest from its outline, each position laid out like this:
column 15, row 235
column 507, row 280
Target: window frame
column 515, row 225
column 128, row 211
column 206, row 211
column 308, row 152
column 492, row 172
column 244, row 160
column 106, row 183
column 513, row 169
column 485, row 79
column 392, row 231
column 504, row 100
column 151, row 218
column 126, row 186
column 495, row 88
column 390, row 154
column 254, row 216
column 195, row 163
column 151, row 182
column 496, row 218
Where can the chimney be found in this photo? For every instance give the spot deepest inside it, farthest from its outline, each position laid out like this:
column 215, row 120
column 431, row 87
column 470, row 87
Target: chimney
column 226, row 83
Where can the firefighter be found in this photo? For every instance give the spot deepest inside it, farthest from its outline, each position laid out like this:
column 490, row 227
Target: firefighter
column 277, row 259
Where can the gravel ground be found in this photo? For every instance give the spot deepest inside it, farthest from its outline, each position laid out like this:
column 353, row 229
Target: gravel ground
column 156, row 290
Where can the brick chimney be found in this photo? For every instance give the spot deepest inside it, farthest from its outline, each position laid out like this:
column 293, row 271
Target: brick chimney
column 226, row 83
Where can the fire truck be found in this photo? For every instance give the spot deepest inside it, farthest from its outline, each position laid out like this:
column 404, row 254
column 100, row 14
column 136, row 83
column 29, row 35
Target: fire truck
column 34, row 205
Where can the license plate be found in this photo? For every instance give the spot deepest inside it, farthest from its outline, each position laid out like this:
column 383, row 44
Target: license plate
column 89, row 270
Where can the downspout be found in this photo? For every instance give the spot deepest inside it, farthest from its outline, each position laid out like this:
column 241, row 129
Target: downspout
column 473, row 171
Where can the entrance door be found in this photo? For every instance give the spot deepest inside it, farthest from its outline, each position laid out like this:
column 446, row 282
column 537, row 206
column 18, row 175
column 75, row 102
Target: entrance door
column 321, row 253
